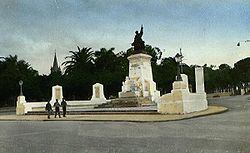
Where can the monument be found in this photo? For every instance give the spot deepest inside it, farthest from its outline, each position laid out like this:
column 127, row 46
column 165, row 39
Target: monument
column 57, row 93
column 98, row 94
column 140, row 82
column 180, row 100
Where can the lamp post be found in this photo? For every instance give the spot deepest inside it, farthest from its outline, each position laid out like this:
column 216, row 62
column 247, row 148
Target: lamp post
column 178, row 59
column 21, row 88
column 238, row 44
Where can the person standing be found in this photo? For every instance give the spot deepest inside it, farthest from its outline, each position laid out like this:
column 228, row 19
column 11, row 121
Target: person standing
column 64, row 104
column 48, row 108
column 57, row 108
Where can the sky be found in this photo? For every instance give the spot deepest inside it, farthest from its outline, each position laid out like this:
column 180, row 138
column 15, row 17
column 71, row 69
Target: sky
column 207, row 30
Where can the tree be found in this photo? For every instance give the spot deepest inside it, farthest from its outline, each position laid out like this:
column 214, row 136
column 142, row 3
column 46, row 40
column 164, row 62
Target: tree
column 210, row 79
column 190, row 72
column 110, row 70
column 11, row 71
column 80, row 60
column 155, row 52
column 242, row 69
column 224, row 76
column 79, row 73
column 164, row 74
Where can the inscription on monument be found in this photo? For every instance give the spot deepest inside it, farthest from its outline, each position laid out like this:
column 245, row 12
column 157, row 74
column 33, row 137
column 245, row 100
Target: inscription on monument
column 58, row 93
column 97, row 92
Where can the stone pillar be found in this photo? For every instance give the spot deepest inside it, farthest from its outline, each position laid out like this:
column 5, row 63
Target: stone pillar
column 98, row 94
column 185, row 80
column 199, row 80
column 57, row 93
column 20, row 107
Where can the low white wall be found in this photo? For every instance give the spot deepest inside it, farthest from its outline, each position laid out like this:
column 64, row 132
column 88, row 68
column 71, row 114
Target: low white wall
column 29, row 106
column 34, row 106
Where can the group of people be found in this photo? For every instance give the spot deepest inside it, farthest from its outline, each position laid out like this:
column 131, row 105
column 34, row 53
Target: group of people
column 57, row 106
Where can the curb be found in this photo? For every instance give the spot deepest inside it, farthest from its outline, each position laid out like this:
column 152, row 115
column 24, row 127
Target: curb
column 212, row 110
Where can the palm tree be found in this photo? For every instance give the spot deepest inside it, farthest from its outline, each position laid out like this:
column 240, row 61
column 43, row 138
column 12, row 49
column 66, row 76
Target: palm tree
column 105, row 59
column 79, row 60
column 78, row 74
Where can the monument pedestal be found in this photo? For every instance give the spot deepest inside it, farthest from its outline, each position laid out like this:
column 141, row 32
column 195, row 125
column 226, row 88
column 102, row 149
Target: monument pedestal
column 140, row 79
column 20, row 108
column 181, row 101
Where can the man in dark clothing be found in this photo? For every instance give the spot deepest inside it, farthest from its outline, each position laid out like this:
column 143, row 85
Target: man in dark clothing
column 48, row 108
column 64, row 104
column 57, row 108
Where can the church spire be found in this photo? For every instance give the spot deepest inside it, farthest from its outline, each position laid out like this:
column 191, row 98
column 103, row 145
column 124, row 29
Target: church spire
column 55, row 67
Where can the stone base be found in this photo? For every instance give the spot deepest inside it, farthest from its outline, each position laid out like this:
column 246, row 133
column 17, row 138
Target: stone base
column 181, row 101
column 20, row 109
column 21, row 105
column 121, row 102
column 186, row 104
column 131, row 101
column 170, row 108
column 126, row 94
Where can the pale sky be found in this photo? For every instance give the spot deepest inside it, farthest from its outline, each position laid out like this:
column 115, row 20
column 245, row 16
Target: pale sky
column 206, row 30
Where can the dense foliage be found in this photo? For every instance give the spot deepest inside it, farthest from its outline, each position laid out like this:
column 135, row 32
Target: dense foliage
column 84, row 67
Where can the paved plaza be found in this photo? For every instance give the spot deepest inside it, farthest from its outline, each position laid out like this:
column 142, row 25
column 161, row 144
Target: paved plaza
column 228, row 132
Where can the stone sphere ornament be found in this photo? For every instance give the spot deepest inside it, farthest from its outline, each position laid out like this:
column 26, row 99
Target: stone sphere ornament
column 21, row 90
column 21, row 82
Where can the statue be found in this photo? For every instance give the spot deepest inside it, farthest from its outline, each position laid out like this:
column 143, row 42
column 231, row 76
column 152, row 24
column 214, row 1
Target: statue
column 138, row 42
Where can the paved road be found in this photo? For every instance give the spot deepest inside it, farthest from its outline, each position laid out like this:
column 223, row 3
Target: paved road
column 222, row 133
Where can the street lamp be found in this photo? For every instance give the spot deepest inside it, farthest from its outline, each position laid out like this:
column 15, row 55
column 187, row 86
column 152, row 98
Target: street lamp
column 178, row 58
column 21, row 88
column 238, row 44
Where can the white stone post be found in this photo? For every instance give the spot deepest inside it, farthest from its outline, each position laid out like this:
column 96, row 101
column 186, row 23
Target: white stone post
column 185, row 79
column 20, row 105
column 199, row 80
column 98, row 94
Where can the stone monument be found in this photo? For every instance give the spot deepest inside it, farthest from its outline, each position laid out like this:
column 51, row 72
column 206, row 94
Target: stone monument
column 98, row 94
column 20, row 105
column 140, row 80
column 57, row 93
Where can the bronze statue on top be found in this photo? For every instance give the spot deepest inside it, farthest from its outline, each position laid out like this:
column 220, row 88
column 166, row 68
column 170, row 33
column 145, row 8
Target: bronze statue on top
column 138, row 43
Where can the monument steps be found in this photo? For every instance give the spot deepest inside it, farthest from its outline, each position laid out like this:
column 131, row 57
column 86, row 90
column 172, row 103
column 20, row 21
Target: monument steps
column 145, row 102
column 121, row 102
column 127, row 102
